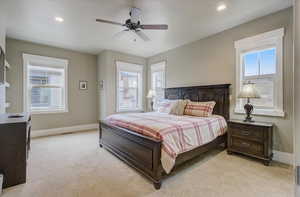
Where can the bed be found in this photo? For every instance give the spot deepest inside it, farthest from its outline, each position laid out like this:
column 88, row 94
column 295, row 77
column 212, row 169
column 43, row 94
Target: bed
column 145, row 152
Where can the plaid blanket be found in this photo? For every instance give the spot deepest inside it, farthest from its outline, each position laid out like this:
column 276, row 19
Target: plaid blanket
column 179, row 134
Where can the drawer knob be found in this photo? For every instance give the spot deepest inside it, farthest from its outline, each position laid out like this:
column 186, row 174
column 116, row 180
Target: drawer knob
column 245, row 132
column 245, row 144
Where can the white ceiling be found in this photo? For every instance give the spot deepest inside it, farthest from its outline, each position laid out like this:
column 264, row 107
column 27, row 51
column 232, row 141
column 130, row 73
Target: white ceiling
column 189, row 20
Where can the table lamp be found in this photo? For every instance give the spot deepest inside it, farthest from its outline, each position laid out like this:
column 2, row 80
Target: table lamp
column 248, row 91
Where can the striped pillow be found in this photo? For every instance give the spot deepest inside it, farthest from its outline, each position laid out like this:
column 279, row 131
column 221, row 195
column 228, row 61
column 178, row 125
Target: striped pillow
column 203, row 109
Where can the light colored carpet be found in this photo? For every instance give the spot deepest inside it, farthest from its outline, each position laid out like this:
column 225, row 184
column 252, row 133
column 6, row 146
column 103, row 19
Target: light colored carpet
column 74, row 165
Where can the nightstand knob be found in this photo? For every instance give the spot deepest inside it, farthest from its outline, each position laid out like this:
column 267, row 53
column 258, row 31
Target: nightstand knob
column 245, row 132
column 245, row 144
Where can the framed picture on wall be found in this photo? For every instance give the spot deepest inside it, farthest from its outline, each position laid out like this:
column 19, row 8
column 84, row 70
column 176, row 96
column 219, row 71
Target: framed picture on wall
column 83, row 85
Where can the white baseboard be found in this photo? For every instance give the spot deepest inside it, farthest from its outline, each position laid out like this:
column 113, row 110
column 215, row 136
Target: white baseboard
column 283, row 157
column 57, row 131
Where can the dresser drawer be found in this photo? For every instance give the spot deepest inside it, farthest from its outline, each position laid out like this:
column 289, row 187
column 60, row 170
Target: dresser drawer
column 247, row 146
column 249, row 132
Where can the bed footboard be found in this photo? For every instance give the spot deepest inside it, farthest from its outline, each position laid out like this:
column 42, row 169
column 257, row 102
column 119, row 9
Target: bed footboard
column 144, row 153
column 138, row 151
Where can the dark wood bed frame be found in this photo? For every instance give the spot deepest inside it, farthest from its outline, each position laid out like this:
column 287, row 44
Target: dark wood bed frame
column 144, row 153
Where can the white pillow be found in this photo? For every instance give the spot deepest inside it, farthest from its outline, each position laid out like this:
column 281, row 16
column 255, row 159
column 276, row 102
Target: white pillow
column 175, row 107
column 165, row 106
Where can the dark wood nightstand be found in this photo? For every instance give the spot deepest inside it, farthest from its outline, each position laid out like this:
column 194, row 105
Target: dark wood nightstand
column 254, row 139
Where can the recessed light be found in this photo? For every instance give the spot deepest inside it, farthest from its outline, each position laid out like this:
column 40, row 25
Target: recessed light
column 221, row 7
column 59, row 19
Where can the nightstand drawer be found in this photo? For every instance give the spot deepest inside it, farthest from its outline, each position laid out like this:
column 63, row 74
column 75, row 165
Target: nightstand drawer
column 251, row 138
column 246, row 146
column 249, row 133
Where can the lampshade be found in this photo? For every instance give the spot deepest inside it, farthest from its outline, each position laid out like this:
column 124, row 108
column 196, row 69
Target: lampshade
column 249, row 91
column 151, row 94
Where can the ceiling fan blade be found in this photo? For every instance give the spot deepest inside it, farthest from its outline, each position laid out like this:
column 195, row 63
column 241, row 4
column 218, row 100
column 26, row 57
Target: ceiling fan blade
column 120, row 34
column 109, row 22
column 155, row 27
column 142, row 35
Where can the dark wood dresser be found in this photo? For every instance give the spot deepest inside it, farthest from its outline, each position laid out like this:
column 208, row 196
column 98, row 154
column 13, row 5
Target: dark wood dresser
column 14, row 147
column 254, row 139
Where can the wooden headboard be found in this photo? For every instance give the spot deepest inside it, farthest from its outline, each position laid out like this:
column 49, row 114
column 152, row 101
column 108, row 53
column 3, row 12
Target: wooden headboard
column 217, row 93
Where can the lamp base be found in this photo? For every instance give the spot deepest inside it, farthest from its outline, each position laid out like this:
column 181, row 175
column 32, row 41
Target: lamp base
column 248, row 109
column 152, row 103
column 248, row 120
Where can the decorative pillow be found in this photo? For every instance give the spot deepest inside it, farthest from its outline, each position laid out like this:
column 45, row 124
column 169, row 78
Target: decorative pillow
column 175, row 107
column 178, row 109
column 165, row 106
column 203, row 109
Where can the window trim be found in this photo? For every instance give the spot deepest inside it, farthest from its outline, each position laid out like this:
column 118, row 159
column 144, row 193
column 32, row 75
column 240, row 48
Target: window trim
column 139, row 68
column 269, row 39
column 46, row 62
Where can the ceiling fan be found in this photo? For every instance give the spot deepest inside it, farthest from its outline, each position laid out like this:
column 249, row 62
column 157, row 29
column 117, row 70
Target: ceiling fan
column 133, row 24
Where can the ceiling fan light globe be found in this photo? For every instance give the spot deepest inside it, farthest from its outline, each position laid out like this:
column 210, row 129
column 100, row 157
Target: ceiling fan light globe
column 135, row 14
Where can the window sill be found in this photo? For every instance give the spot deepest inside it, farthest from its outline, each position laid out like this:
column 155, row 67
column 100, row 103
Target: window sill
column 262, row 112
column 49, row 112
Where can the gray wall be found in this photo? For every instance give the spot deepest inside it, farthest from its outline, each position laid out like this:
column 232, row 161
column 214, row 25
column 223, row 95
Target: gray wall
column 83, row 105
column 2, row 34
column 2, row 26
column 2, row 44
column 296, row 82
column 107, row 72
column 212, row 61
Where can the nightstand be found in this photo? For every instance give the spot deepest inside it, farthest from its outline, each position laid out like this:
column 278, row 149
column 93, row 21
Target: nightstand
column 253, row 139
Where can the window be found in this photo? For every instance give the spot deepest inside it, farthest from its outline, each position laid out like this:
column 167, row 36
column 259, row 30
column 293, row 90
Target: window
column 259, row 60
column 129, row 87
column 158, row 80
column 45, row 84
